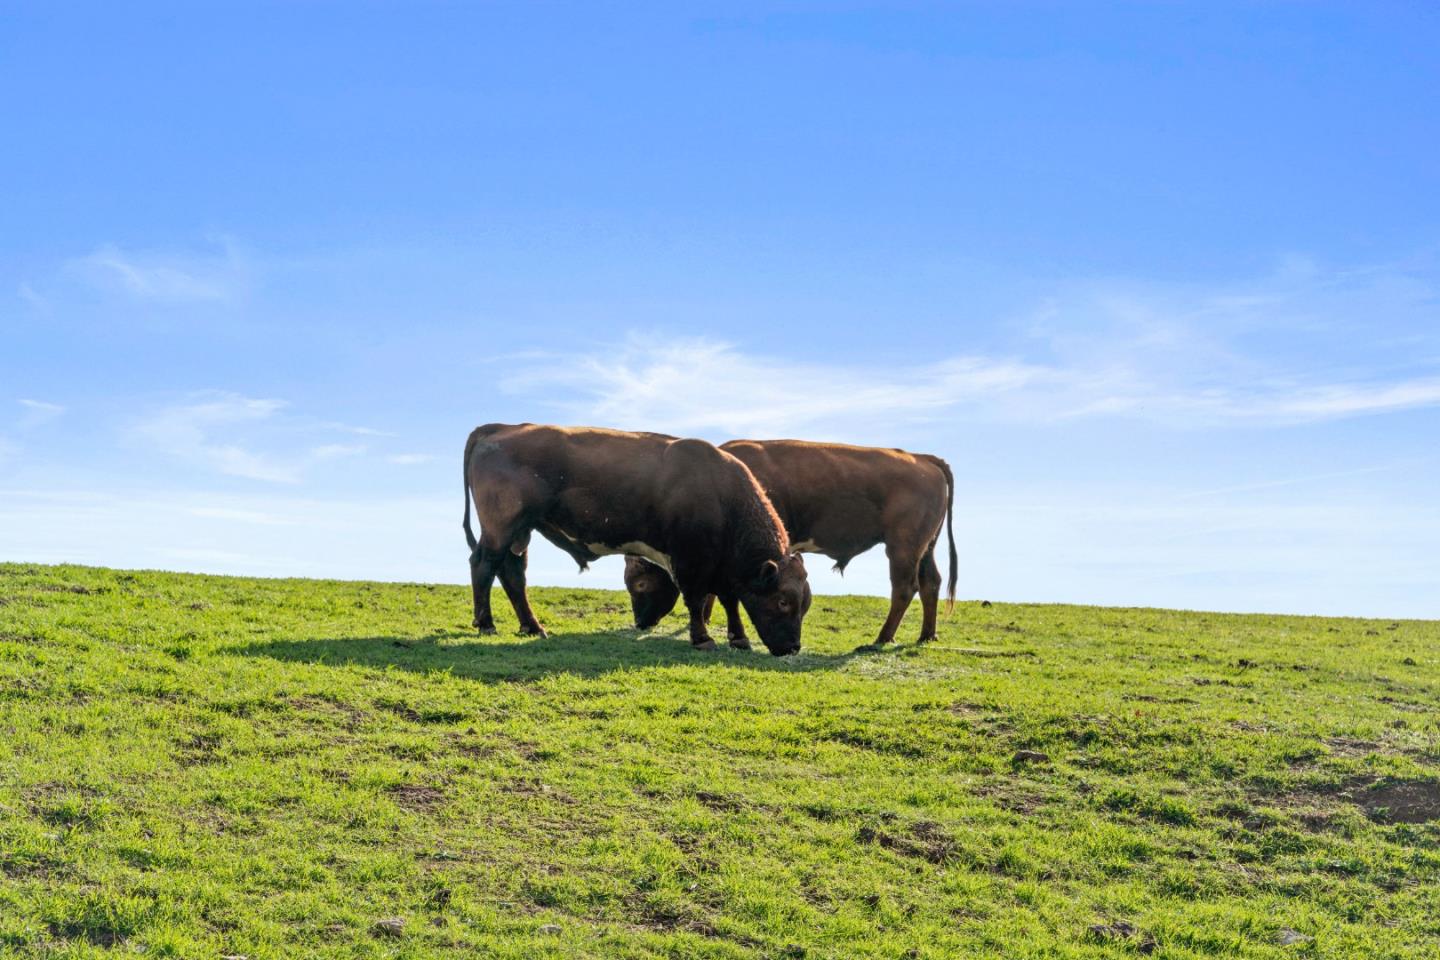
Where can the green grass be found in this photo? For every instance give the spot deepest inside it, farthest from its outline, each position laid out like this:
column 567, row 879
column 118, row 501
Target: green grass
column 203, row 766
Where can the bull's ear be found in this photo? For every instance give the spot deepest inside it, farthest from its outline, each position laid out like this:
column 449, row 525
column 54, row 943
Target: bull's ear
column 768, row 578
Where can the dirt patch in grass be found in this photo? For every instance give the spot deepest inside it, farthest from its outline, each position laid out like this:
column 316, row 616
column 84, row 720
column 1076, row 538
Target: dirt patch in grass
column 32, row 867
column 1012, row 799
column 1382, row 800
column 77, row 588
column 924, row 839
column 1405, row 704
column 350, row 715
column 1347, row 747
column 1401, row 802
column 876, row 743
column 97, row 935
column 531, row 787
column 472, row 744
column 199, row 749
column 720, row 801
column 427, row 715
column 416, row 797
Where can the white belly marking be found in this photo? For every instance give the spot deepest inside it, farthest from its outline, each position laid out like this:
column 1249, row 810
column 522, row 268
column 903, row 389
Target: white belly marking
column 639, row 549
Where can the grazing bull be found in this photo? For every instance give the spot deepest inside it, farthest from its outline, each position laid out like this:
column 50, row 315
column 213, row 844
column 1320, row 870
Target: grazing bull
column 683, row 504
column 839, row 501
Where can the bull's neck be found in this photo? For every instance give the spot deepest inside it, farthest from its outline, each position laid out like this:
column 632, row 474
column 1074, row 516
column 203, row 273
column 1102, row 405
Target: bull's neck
column 756, row 542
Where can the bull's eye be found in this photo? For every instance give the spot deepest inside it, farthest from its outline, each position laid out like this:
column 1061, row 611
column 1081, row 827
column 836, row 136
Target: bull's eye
column 784, row 605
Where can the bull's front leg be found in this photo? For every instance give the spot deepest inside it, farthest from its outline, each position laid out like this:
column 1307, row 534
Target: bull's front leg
column 734, row 626
column 696, row 605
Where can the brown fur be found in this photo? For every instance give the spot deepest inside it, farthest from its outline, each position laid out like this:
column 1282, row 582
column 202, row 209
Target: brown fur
column 593, row 491
column 841, row 500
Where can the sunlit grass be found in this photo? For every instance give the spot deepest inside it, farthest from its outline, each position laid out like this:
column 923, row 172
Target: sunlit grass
column 204, row 766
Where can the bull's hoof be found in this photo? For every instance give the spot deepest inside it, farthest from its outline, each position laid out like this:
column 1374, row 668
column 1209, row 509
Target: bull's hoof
column 534, row 631
column 707, row 644
column 740, row 643
column 928, row 638
column 485, row 629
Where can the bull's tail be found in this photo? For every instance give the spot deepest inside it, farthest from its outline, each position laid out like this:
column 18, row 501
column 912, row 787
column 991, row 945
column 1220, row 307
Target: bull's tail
column 950, row 532
column 465, row 477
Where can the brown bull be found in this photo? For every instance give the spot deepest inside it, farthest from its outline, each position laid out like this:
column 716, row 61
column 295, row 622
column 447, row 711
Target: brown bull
column 683, row 504
column 840, row 501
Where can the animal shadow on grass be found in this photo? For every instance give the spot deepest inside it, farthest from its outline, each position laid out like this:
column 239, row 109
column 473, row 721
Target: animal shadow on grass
column 462, row 654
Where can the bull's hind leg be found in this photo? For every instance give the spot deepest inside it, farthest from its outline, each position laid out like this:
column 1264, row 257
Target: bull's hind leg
column 502, row 527
column 512, row 578
column 484, row 564
column 929, row 593
column 904, row 581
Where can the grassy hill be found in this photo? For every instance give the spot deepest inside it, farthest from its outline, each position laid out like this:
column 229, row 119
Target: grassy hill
column 206, row 766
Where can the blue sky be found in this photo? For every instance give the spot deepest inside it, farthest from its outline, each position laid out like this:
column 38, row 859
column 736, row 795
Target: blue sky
column 1158, row 279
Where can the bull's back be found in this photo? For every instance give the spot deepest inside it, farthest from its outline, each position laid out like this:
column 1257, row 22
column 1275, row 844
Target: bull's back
column 569, row 457
column 848, row 495
column 830, row 470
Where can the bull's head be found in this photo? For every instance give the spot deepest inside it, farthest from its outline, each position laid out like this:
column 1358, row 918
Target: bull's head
column 777, row 599
column 652, row 592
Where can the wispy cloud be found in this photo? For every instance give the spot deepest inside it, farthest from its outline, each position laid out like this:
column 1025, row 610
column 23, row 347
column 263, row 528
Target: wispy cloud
column 410, row 459
column 1286, row 349
column 256, row 438
column 1291, row 481
column 330, row 451
column 31, row 296
column 1343, row 400
column 696, row 385
column 163, row 276
column 699, row 386
column 194, row 432
column 351, row 428
column 38, row 412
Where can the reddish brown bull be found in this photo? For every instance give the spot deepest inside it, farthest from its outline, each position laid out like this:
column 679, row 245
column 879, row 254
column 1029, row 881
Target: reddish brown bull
column 840, row 501
column 684, row 504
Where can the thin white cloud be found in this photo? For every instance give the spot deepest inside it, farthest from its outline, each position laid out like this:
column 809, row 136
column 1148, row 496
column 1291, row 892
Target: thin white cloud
column 33, row 297
column 165, row 276
column 1289, row 481
column 703, row 386
column 1343, row 400
column 331, row 451
column 698, row 385
column 187, row 432
column 39, row 412
column 240, row 436
column 410, row 459
column 1293, row 347
column 351, row 428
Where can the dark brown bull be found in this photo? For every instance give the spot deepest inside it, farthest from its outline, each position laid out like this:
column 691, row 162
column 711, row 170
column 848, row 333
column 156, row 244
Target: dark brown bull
column 684, row 504
column 840, row 501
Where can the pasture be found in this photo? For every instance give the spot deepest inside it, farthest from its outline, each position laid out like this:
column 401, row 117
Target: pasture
column 197, row 766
